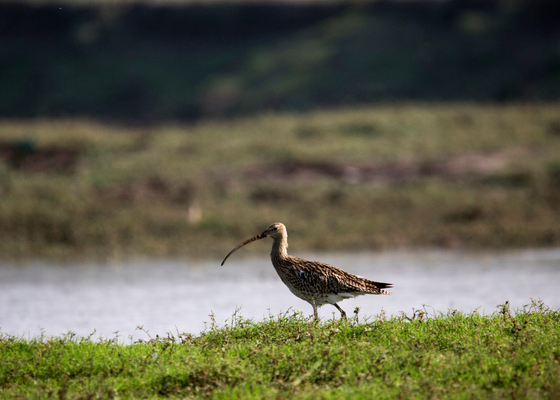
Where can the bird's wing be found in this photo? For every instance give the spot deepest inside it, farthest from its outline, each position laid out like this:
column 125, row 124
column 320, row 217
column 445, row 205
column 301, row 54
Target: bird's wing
column 340, row 281
column 324, row 277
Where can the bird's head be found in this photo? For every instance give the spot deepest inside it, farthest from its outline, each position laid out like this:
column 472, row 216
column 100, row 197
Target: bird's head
column 276, row 231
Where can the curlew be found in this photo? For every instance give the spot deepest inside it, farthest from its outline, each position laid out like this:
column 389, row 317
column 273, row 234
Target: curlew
column 312, row 281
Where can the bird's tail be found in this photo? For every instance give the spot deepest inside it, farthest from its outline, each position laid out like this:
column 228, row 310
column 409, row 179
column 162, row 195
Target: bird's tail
column 377, row 287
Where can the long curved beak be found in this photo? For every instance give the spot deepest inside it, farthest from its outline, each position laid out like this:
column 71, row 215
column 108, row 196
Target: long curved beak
column 259, row 236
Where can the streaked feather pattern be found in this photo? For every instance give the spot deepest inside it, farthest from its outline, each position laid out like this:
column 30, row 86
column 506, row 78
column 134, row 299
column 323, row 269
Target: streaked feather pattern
column 315, row 282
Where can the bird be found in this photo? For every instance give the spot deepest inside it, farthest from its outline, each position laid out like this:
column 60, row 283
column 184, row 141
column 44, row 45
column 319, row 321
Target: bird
column 314, row 282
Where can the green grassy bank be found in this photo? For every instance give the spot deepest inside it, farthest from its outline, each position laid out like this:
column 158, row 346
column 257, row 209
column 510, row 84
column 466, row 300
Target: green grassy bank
column 380, row 177
column 450, row 355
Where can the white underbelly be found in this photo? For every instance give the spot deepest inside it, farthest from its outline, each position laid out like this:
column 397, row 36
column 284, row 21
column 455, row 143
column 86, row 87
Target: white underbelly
column 327, row 298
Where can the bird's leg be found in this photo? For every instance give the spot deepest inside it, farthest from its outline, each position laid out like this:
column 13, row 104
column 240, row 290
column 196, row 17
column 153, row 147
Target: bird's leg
column 315, row 316
column 342, row 313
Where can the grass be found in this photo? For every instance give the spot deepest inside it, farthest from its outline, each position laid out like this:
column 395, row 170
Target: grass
column 377, row 177
column 443, row 355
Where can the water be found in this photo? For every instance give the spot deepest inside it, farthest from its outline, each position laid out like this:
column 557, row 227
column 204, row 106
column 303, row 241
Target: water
column 175, row 296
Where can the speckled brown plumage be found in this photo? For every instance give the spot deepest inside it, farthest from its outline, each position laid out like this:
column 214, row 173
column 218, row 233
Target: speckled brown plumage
column 312, row 281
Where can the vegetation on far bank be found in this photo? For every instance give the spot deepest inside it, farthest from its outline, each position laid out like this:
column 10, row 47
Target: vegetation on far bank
column 379, row 177
column 148, row 62
column 442, row 355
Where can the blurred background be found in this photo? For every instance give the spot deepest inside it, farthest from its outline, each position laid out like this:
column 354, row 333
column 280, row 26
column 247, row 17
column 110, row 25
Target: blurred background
column 179, row 60
column 178, row 128
column 173, row 130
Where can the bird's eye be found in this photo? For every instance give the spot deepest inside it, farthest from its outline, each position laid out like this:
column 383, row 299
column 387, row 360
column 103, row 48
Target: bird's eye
column 275, row 229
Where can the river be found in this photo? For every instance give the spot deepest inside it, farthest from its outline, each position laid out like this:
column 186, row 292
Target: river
column 178, row 296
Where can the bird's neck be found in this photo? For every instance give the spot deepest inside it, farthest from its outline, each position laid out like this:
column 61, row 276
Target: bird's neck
column 279, row 248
